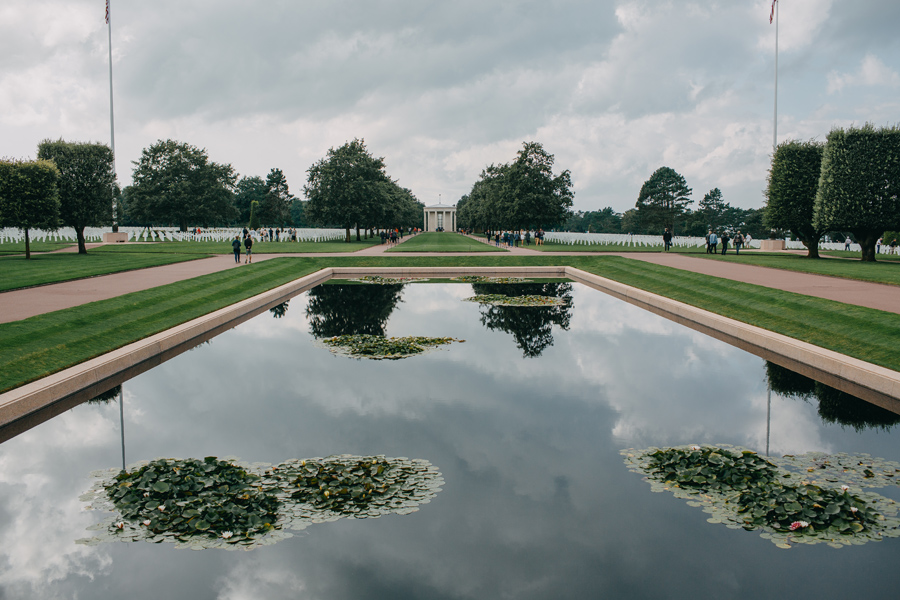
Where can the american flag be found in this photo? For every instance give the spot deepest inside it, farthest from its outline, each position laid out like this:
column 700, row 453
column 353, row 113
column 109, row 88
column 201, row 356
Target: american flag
column 771, row 14
column 107, row 12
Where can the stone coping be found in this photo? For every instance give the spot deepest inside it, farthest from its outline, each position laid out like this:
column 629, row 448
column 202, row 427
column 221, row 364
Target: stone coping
column 40, row 400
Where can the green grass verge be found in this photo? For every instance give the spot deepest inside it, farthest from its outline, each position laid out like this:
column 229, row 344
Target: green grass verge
column 48, row 343
column 886, row 271
column 19, row 247
column 883, row 256
column 225, row 247
column 443, row 242
column 41, row 269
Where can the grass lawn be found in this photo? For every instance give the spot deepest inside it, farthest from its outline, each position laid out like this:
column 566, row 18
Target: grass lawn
column 883, row 271
column 19, row 247
column 444, row 241
column 54, row 268
column 556, row 247
column 47, row 343
column 855, row 255
column 208, row 248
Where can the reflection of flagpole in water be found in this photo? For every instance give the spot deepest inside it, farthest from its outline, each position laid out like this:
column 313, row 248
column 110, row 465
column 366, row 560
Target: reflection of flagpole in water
column 122, row 423
column 768, row 417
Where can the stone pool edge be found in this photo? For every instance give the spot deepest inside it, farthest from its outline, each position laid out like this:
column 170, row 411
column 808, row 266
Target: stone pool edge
column 876, row 384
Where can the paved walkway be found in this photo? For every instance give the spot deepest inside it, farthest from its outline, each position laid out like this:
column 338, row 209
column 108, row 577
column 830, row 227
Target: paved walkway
column 21, row 304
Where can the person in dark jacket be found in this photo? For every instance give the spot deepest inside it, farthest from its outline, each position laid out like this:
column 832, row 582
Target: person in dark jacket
column 236, row 246
column 667, row 239
column 248, row 244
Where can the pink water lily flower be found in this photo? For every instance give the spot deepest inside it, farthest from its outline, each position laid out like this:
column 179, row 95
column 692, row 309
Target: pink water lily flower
column 147, row 522
column 798, row 525
column 120, row 525
column 162, row 507
column 845, row 487
column 227, row 534
column 853, row 509
column 695, row 447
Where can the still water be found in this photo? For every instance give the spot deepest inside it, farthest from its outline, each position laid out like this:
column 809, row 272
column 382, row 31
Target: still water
column 525, row 421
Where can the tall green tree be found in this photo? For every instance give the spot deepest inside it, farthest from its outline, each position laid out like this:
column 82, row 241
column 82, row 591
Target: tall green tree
column 533, row 196
column 663, row 199
column 87, row 181
column 176, row 183
column 29, row 196
column 791, row 192
column 275, row 206
column 346, row 188
column 712, row 208
column 859, row 185
column 248, row 190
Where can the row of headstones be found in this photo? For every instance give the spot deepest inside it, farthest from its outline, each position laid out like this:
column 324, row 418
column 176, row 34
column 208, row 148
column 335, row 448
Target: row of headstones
column 142, row 234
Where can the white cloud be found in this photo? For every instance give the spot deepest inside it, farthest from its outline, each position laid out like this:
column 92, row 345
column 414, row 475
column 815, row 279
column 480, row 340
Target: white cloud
column 872, row 72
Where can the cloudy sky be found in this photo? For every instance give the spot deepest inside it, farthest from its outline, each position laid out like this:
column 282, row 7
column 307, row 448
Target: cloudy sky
column 613, row 88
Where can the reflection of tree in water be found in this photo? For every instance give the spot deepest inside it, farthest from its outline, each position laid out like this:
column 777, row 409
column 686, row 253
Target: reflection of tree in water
column 835, row 406
column 531, row 326
column 280, row 310
column 106, row 397
column 351, row 309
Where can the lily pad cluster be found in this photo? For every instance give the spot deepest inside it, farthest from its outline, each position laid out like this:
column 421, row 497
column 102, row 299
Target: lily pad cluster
column 743, row 490
column 377, row 279
column 358, row 487
column 484, row 279
column 379, row 347
column 528, row 300
column 223, row 504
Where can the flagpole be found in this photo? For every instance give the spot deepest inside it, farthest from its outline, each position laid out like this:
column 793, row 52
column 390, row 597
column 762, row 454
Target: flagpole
column 112, row 127
column 775, row 118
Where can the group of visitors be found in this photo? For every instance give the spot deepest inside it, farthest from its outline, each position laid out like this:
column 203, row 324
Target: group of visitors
column 248, row 246
column 713, row 239
column 891, row 248
column 515, row 239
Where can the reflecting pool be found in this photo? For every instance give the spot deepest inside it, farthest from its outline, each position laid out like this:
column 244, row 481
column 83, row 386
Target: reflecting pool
column 525, row 420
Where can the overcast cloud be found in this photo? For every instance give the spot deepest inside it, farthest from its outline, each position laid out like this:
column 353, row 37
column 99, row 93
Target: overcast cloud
column 614, row 88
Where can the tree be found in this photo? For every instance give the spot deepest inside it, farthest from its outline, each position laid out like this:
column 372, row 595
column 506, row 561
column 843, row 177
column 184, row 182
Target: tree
column 29, row 196
column 87, row 181
column 791, row 193
column 176, row 183
column 254, row 215
column 298, row 213
column 532, row 195
column 662, row 199
column 247, row 191
column 859, row 184
column 345, row 187
column 712, row 208
column 275, row 206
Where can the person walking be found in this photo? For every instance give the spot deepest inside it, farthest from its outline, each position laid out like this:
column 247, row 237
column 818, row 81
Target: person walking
column 847, row 244
column 725, row 240
column 712, row 246
column 708, row 233
column 667, row 238
column 738, row 242
column 248, row 244
column 878, row 246
column 236, row 246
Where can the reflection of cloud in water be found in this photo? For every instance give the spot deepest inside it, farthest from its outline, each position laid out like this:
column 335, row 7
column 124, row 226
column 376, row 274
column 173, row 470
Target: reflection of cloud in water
column 256, row 579
column 37, row 550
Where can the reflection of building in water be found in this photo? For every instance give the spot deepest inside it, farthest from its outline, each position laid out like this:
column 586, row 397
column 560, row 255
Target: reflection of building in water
column 440, row 217
column 835, row 406
column 351, row 309
column 531, row 326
